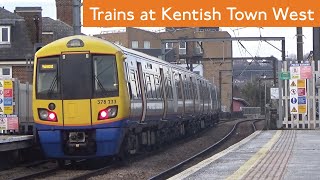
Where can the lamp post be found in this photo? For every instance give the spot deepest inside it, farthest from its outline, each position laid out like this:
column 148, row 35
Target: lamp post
column 263, row 78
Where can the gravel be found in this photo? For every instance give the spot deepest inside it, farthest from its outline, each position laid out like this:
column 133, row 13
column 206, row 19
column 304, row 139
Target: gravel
column 23, row 171
column 155, row 164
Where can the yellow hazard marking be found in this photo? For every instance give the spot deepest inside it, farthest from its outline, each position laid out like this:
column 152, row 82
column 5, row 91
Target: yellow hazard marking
column 293, row 84
column 206, row 162
column 246, row 167
column 7, row 84
column 8, row 110
column 301, row 83
column 302, row 108
column 294, row 109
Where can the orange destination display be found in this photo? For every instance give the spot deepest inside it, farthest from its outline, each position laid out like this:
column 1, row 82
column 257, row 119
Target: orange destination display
column 177, row 13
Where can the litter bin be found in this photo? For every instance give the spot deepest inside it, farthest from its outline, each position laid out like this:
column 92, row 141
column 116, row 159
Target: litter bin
column 273, row 117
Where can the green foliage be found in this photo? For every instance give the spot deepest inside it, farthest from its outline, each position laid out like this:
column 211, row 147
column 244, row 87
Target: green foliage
column 255, row 94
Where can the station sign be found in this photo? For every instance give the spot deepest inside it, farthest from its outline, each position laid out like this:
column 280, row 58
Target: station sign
column 298, row 96
column 300, row 71
column 6, row 97
column 9, row 122
column 294, row 71
column 274, row 92
column 293, row 96
column 285, row 75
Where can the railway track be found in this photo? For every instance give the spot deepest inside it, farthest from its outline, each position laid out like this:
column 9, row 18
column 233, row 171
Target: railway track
column 76, row 174
column 173, row 170
column 39, row 173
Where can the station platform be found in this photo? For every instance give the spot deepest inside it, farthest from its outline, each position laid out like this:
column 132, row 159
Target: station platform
column 15, row 142
column 273, row 154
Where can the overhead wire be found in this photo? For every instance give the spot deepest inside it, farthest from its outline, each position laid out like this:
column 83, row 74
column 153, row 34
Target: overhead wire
column 253, row 58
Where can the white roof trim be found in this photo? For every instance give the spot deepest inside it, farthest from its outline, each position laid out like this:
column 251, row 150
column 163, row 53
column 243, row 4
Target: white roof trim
column 14, row 63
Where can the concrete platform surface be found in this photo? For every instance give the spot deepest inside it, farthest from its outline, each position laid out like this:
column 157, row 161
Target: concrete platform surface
column 282, row 154
column 14, row 142
column 14, row 138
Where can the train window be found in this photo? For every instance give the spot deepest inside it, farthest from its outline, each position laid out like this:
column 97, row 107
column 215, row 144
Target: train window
column 170, row 93
column 132, row 77
column 105, row 73
column 154, row 91
column 138, row 85
column 47, row 78
column 149, row 90
column 180, row 86
column 133, row 85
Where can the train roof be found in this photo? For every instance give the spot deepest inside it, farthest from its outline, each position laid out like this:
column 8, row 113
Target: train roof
column 137, row 53
column 56, row 46
column 60, row 45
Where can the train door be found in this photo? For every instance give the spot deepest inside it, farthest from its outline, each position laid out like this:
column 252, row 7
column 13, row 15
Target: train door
column 193, row 95
column 143, row 92
column 76, row 73
column 181, row 95
column 170, row 91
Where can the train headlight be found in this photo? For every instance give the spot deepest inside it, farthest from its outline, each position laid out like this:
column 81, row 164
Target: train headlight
column 108, row 113
column 47, row 115
column 75, row 43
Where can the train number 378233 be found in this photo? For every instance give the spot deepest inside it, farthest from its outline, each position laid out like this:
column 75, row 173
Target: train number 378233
column 110, row 101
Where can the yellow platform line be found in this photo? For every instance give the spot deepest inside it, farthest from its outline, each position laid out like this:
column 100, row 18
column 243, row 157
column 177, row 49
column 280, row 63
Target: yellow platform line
column 206, row 162
column 245, row 168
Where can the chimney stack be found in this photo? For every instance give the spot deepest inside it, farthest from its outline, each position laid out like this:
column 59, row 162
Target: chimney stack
column 64, row 11
column 33, row 18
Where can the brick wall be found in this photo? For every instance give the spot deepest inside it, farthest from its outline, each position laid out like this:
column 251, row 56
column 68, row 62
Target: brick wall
column 20, row 73
column 64, row 11
column 141, row 36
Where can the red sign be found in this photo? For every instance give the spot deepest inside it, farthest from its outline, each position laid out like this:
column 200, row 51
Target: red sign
column 13, row 123
column 301, row 91
column 305, row 72
column 7, row 93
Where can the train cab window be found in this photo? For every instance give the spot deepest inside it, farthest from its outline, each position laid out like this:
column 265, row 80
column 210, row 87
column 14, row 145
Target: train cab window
column 105, row 76
column 47, row 78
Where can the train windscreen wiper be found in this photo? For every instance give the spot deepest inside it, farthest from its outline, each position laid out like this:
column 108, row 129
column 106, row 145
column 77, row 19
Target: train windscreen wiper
column 104, row 91
column 53, row 85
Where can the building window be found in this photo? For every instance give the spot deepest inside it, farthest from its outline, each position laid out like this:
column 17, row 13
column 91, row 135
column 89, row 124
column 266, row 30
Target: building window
column 169, row 45
column 199, row 47
column 4, row 34
column 6, row 72
column 134, row 44
column 183, row 48
column 146, row 44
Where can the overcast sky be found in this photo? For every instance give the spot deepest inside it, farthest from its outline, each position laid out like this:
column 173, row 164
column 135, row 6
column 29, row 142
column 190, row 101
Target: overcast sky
column 252, row 48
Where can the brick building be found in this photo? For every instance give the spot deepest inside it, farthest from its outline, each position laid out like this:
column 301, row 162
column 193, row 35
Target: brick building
column 199, row 53
column 22, row 32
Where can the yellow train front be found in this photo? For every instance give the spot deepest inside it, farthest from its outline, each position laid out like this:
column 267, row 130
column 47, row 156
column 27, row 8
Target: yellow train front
column 76, row 98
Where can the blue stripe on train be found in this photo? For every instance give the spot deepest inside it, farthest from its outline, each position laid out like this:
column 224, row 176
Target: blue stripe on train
column 108, row 140
column 116, row 124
